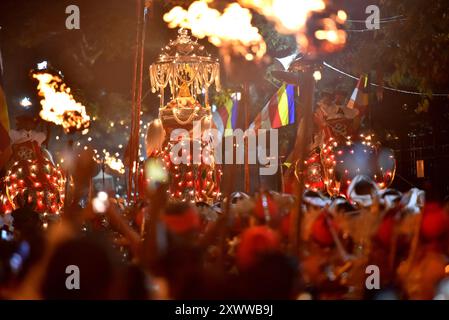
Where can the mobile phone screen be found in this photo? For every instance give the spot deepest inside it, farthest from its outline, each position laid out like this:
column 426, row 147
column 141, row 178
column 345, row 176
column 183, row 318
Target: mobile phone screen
column 155, row 173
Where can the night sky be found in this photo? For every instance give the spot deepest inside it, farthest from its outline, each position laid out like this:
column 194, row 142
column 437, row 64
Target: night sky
column 33, row 31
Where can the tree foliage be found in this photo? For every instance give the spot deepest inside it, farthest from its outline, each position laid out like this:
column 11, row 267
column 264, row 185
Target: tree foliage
column 411, row 50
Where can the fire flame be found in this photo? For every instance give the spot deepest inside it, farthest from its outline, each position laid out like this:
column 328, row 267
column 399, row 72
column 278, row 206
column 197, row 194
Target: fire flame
column 231, row 29
column 114, row 163
column 291, row 17
column 330, row 32
column 58, row 104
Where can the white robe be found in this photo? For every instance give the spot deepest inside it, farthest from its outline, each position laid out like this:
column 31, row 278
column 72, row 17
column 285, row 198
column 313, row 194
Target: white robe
column 20, row 136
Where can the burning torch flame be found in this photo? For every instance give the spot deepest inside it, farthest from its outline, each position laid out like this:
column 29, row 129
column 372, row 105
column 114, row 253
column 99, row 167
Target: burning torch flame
column 58, row 104
column 114, row 163
column 289, row 16
column 231, row 29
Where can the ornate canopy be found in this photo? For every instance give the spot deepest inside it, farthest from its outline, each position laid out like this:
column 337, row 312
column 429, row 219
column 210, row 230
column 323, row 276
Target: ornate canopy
column 184, row 63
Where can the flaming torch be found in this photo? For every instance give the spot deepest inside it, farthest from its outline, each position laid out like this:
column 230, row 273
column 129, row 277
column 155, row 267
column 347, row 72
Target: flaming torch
column 289, row 16
column 115, row 164
column 230, row 30
column 58, row 104
column 316, row 24
column 60, row 107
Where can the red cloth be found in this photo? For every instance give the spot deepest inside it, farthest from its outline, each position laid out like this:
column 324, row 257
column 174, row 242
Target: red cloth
column 285, row 225
column 385, row 232
column 435, row 222
column 181, row 223
column 321, row 232
column 271, row 209
column 254, row 242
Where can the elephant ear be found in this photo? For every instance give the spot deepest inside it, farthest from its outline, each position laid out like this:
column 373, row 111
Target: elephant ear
column 155, row 137
column 386, row 166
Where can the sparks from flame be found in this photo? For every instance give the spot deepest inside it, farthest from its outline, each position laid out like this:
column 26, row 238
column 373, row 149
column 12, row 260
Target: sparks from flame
column 58, row 104
column 230, row 29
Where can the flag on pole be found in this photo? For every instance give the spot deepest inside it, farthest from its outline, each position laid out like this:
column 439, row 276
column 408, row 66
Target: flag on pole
column 279, row 111
column 4, row 122
column 359, row 97
column 225, row 118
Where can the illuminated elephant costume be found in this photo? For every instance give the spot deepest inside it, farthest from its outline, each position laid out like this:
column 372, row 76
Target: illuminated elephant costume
column 339, row 153
column 195, row 182
column 32, row 178
column 187, row 71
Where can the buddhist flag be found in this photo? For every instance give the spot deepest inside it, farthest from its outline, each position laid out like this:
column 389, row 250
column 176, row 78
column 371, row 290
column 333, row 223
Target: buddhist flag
column 4, row 122
column 279, row 111
column 359, row 97
column 225, row 118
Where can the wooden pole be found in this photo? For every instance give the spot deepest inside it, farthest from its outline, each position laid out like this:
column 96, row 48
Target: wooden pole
column 67, row 191
column 281, row 166
column 137, row 96
column 102, row 174
column 146, row 8
column 132, row 142
column 228, row 183
column 246, row 103
column 307, row 91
